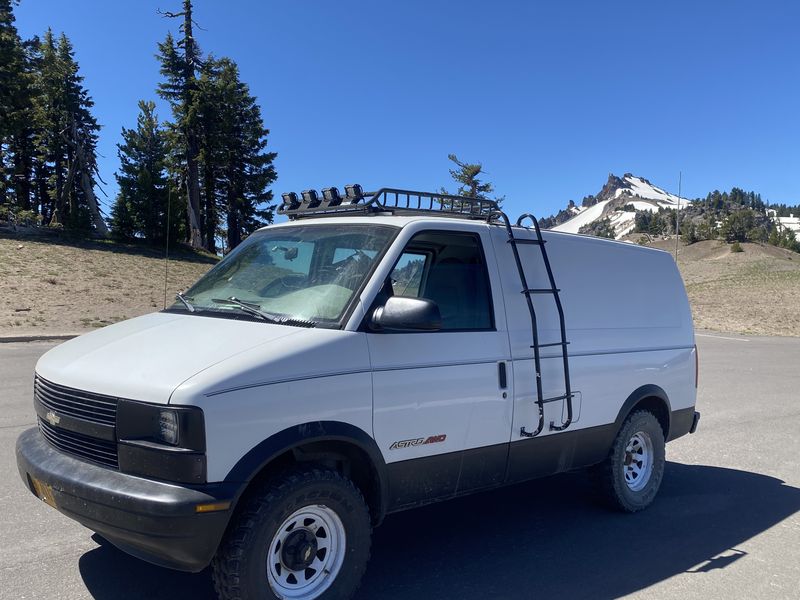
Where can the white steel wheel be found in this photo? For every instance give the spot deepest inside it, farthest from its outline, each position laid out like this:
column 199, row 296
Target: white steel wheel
column 638, row 462
column 306, row 553
column 302, row 534
column 631, row 474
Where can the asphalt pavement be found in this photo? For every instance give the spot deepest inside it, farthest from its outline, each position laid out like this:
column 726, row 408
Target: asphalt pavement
column 726, row 524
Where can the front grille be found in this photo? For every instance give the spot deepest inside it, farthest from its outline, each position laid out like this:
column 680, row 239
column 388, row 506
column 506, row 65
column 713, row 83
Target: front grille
column 102, row 452
column 76, row 403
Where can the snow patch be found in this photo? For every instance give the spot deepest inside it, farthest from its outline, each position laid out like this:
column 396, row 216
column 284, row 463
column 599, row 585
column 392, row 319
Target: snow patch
column 586, row 216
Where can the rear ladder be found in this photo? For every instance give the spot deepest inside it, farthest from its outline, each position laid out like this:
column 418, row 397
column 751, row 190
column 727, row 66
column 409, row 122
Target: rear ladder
column 528, row 292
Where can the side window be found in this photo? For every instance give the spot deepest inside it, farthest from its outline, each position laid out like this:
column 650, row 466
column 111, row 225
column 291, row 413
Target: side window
column 448, row 268
column 407, row 274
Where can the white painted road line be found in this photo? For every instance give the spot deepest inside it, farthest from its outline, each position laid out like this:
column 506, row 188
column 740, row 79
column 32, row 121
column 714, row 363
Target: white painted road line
column 721, row 337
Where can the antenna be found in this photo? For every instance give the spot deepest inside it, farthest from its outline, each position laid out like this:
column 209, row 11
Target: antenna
column 166, row 245
column 677, row 217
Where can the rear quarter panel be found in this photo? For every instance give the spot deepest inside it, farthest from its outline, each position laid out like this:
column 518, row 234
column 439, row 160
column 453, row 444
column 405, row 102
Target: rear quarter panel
column 628, row 322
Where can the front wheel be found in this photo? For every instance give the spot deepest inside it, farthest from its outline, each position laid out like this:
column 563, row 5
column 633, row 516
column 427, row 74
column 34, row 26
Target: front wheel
column 631, row 475
column 304, row 535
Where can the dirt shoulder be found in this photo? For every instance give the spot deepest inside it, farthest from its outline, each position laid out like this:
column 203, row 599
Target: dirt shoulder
column 59, row 286
column 755, row 292
column 56, row 286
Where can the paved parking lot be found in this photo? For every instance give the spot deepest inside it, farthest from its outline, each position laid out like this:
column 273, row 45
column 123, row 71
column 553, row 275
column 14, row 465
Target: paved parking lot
column 726, row 524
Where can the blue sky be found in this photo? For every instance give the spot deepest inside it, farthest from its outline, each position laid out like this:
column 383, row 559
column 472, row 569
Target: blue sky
column 549, row 96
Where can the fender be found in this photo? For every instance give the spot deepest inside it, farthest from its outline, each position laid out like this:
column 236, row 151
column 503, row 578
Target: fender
column 318, row 431
column 646, row 391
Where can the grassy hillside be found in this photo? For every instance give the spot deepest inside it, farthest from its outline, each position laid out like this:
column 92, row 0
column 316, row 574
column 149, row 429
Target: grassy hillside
column 57, row 286
column 756, row 291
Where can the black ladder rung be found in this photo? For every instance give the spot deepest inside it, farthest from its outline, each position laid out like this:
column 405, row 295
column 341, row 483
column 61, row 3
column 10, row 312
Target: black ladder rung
column 526, row 241
column 552, row 344
column 557, row 398
column 542, row 291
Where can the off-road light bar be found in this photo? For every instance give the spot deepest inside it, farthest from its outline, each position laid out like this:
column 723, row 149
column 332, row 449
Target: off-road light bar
column 385, row 200
column 290, row 200
column 332, row 196
column 310, row 199
column 354, row 192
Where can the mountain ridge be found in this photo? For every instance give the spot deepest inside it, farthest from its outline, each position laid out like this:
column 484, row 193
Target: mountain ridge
column 618, row 201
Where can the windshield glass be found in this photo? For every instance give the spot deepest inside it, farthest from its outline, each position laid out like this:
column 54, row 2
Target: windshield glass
column 303, row 272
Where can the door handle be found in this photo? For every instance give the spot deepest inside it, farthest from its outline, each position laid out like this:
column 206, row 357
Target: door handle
column 501, row 375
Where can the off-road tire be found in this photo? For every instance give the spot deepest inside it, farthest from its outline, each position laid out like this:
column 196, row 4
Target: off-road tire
column 609, row 475
column 239, row 568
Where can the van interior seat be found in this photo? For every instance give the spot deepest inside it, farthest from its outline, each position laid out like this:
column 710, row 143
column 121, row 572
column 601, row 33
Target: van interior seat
column 460, row 291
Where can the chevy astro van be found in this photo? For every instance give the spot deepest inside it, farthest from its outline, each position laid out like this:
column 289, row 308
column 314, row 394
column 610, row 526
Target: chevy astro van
column 376, row 352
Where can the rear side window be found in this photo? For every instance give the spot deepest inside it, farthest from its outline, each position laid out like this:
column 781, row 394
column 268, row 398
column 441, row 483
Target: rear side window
column 450, row 269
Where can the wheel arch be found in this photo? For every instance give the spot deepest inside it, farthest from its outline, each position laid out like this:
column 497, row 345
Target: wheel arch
column 647, row 397
column 337, row 444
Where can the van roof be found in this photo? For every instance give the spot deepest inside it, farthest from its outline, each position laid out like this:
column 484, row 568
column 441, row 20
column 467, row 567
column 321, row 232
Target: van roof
column 401, row 221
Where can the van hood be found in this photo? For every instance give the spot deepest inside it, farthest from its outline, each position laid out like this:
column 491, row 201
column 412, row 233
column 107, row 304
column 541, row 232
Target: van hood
column 148, row 357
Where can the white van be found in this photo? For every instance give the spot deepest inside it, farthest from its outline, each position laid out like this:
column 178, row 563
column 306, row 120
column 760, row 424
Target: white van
column 374, row 353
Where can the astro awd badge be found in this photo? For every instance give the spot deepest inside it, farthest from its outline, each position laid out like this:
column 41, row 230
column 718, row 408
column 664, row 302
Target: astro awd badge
column 434, row 439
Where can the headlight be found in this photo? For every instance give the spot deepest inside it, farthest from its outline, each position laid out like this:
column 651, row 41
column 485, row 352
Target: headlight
column 168, row 427
column 160, row 442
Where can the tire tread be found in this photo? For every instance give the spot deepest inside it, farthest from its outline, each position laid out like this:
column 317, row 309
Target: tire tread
column 227, row 562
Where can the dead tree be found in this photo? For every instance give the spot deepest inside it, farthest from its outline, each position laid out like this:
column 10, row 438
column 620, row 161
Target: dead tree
column 80, row 165
column 190, row 65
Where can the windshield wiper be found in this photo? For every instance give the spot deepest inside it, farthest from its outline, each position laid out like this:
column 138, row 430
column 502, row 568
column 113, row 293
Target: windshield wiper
column 252, row 309
column 186, row 303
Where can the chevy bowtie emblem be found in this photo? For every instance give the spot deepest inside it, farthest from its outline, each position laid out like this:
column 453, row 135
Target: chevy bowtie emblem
column 52, row 418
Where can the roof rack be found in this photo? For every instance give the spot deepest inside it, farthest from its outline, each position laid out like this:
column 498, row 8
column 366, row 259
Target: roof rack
column 385, row 200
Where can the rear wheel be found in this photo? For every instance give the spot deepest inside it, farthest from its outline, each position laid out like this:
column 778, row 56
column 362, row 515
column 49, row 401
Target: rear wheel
column 304, row 535
column 631, row 475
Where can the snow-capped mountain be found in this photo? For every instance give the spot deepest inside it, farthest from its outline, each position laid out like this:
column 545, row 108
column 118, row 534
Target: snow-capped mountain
column 618, row 201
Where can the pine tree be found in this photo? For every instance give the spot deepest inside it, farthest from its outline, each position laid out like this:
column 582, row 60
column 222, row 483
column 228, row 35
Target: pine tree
column 736, row 226
column 238, row 168
column 689, row 232
column 140, row 209
column 65, row 139
column 469, row 184
column 14, row 89
column 180, row 90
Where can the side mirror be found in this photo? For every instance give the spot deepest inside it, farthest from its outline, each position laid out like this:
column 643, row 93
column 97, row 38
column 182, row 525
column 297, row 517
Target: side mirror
column 407, row 314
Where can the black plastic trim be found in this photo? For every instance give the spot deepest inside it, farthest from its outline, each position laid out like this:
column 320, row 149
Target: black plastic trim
column 683, row 421
column 158, row 462
column 318, row 431
column 695, row 422
column 646, row 391
column 545, row 455
column 152, row 520
column 420, row 481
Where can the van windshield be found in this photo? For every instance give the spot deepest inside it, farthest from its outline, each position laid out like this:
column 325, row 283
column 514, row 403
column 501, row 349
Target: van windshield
column 297, row 273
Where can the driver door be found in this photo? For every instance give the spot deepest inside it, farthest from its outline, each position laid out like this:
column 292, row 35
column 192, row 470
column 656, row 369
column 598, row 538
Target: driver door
column 442, row 408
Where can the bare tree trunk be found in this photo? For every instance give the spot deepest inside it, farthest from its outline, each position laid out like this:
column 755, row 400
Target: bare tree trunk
column 234, row 228
column 86, row 180
column 65, row 186
column 192, row 146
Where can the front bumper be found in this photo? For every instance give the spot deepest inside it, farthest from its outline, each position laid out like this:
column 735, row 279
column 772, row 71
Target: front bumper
column 152, row 520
